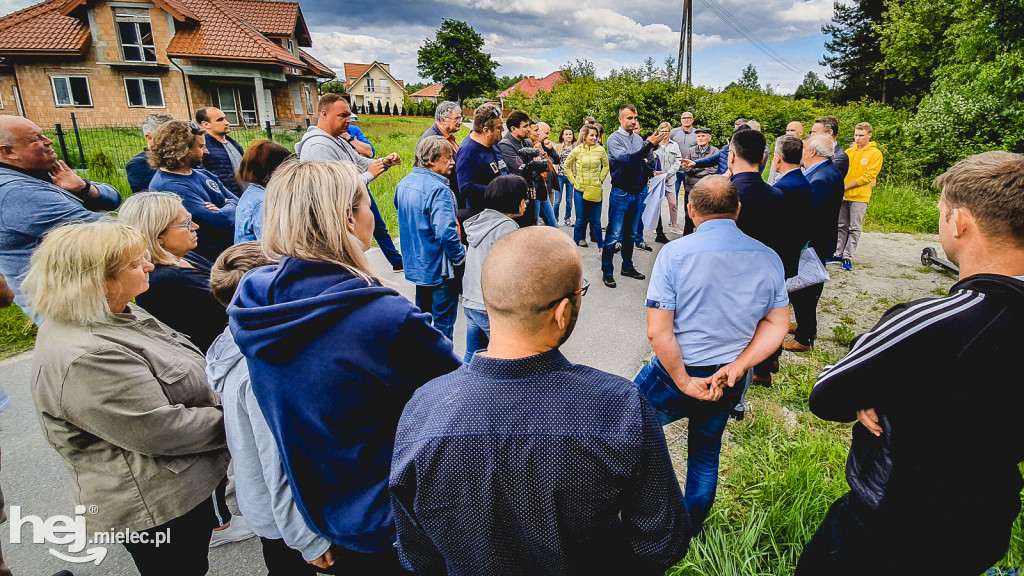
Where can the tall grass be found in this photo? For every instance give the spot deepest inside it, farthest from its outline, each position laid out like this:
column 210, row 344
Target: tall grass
column 898, row 207
column 781, row 470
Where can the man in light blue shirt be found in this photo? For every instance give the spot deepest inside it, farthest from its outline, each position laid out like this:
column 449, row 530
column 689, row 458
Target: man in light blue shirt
column 716, row 306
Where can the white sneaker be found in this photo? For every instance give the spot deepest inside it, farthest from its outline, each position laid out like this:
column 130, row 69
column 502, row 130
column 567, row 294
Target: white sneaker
column 675, row 230
column 236, row 531
column 230, row 488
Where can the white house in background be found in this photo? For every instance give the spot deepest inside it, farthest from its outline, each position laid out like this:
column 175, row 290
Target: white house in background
column 373, row 85
column 432, row 93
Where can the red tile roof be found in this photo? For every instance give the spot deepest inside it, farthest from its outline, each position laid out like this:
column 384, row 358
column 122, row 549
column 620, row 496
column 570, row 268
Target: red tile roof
column 354, row 71
column 273, row 18
column 222, row 34
column 432, row 91
column 531, row 85
column 47, row 33
column 316, row 66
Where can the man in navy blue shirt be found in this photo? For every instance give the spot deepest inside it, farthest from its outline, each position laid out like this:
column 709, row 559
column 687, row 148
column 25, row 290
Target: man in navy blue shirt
column 522, row 462
column 223, row 153
column 479, row 161
column 716, row 306
column 763, row 217
column 626, row 154
column 796, row 200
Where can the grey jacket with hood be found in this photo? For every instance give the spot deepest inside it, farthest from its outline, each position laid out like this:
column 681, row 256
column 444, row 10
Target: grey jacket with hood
column 264, row 496
column 317, row 144
column 482, row 231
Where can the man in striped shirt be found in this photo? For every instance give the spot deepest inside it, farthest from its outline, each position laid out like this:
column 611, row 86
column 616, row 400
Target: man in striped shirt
column 933, row 467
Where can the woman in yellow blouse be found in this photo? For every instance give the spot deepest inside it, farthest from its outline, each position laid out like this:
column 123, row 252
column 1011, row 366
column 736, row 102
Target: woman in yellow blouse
column 587, row 167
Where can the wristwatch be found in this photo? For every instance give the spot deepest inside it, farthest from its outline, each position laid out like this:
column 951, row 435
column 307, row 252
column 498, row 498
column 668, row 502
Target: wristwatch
column 349, row 139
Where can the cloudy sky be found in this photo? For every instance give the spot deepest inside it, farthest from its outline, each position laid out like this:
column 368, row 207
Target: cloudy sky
column 536, row 37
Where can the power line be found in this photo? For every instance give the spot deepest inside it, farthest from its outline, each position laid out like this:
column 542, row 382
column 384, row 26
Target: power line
column 725, row 16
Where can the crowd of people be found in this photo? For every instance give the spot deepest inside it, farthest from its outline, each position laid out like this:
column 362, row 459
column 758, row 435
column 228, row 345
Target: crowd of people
column 229, row 315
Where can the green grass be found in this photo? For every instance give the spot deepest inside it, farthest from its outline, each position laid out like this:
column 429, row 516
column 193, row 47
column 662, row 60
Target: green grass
column 17, row 332
column 902, row 208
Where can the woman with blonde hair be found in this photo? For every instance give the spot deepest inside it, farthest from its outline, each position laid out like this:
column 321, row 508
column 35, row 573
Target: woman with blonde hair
column 179, row 285
column 587, row 167
column 333, row 357
column 123, row 398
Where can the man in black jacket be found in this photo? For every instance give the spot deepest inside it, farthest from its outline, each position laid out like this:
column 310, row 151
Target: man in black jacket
column 223, row 153
column 826, row 199
column 518, row 124
column 933, row 468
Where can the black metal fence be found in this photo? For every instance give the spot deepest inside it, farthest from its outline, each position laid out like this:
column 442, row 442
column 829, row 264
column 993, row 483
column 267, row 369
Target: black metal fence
column 104, row 150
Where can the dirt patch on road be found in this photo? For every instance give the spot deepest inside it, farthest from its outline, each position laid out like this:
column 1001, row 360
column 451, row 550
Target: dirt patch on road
column 887, row 270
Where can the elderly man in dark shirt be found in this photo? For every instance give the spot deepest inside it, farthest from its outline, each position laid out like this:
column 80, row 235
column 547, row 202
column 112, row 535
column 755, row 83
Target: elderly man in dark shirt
column 448, row 122
column 522, row 462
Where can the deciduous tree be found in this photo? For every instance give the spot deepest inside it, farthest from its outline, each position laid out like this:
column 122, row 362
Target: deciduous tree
column 455, row 58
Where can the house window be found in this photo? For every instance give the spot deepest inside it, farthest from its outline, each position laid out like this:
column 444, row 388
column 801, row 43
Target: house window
column 144, row 92
column 291, row 46
column 297, row 98
column 309, row 99
column 238, row 105
column 384, row 85
column 369, row 84
column 71, row 90
column 136, row 35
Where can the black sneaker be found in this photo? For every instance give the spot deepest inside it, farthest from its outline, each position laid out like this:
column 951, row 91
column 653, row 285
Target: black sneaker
column 398, row 267
column 662, row 239
column 644, row 246
column 633, row 274
column 609, row 281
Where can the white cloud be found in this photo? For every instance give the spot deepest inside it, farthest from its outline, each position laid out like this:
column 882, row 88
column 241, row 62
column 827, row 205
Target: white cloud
column 808, row 12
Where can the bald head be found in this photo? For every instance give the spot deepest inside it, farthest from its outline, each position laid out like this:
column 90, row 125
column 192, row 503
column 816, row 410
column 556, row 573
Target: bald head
column 527, row 270
column 714, row 197
column 23, row 144
column 795, row 128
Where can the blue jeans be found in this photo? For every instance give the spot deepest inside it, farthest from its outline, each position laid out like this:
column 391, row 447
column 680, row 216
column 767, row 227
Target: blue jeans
column 478, row 332
column 587, row 211
column 442, row 302
column 706, row 424
column 624, row 212
column 596, row 231
column 383, row 238
column 542, row 209
column 564, row 189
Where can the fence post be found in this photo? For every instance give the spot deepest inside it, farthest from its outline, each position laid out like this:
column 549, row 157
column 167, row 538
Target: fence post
column 78, row 137
column 270, row 134
column 63, row 146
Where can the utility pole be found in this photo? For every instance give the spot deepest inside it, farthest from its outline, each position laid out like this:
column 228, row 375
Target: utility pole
column 685, row 43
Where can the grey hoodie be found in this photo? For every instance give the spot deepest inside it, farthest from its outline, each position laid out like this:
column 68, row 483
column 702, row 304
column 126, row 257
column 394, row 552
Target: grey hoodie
column 264, row 496
column 317, row 144
column 482, row 231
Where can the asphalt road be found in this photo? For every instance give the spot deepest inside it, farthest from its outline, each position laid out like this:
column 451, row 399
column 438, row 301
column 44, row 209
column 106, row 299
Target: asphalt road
column 610, row 335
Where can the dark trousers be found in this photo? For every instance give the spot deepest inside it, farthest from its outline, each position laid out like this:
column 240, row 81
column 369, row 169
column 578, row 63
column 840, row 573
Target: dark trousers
column 220, row 503
column 383, row 238
column 805, row 308
column 770, row 365
column 442, row 302
column 688, row 226
column 284, row 561
column 187, row 549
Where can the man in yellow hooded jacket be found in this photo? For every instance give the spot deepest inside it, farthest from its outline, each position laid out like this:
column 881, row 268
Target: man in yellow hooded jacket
column 865, row 164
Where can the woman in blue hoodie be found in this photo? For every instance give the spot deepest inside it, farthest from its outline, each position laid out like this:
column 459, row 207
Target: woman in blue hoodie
column 333, row 357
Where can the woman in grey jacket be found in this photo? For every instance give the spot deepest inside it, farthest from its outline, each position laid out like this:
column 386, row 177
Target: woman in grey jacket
column 124, row 399
column 505, row 198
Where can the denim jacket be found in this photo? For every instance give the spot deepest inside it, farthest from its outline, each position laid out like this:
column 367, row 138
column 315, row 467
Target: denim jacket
column 427, row 228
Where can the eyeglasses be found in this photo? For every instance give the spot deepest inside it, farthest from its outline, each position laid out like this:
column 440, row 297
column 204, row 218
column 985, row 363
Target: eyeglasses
column 187, row 224
column 495, row 112
column 194, row 127
column 582, row 292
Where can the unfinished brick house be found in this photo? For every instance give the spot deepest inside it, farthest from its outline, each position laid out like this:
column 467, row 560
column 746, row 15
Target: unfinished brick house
column 112, row 62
